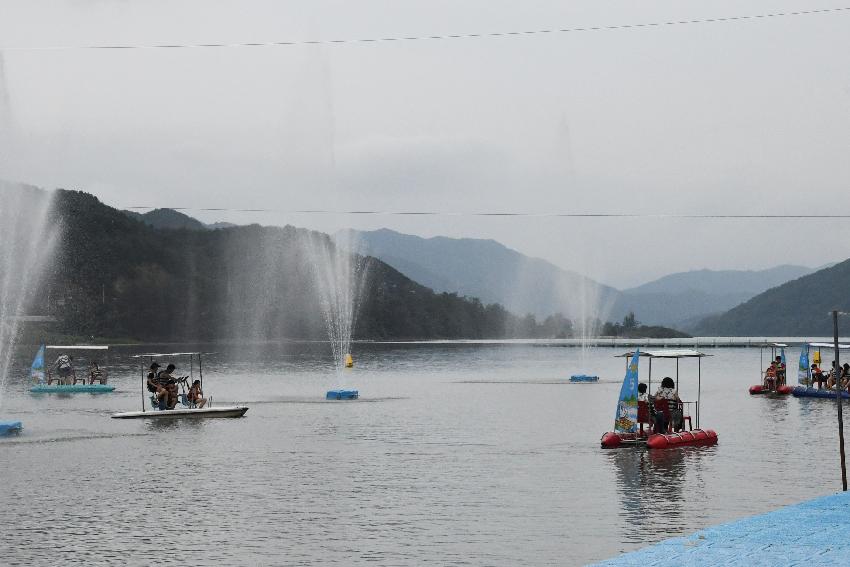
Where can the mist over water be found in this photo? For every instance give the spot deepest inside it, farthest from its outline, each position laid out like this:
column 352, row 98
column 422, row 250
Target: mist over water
column 340, row 277
column 27, row 241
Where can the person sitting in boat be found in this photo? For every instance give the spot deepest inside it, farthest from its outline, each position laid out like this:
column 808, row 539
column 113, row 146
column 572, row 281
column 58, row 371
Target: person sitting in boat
column 770, row 376
column 154, row 386
column 837, row 377
column 817, row 376
column 196, row 395
column 166, row 380
column 667, row 391
column 780, row 371
column 64, row 366
column 95, row 373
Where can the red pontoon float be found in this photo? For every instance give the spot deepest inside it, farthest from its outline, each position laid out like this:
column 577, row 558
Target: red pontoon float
column 775, row 385
column 633, row 425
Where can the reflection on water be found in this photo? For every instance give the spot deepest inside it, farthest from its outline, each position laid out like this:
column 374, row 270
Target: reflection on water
column 653, row 488
column 471, row 454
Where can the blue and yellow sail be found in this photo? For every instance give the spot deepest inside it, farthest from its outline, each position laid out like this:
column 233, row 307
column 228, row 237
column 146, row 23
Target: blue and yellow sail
column 37, row 368
column 803, row 376
column 625, row 420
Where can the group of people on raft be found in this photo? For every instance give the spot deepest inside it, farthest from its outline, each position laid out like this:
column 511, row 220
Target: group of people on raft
column 67, row 376
column 774, row 376
column 839, row 376
column 665, row 398
column 163, row 385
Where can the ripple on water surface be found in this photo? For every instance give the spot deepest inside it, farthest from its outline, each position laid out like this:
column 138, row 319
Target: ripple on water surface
column 456, row 455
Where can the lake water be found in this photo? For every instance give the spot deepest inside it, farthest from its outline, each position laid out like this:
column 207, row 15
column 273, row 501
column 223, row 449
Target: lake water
column 454, row 455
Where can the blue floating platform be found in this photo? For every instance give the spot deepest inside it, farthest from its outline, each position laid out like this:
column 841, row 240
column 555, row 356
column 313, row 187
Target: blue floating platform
column 10, row 427
column 342, row 395
column 69, row 389
column 812, row 533
column 583, row 378
column 803, row 392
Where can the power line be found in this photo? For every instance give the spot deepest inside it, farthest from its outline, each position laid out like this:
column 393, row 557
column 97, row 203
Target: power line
column 507, row 214
column 722, row 19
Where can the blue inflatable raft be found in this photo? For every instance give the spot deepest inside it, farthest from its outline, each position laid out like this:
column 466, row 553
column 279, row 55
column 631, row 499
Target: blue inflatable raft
column 69, row 389
column 342, row 395
column 583, row 378
column 803, row 392
column 10, row 427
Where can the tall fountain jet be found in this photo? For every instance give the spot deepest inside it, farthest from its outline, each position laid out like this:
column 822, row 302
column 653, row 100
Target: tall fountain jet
column 340, row 276
column 27, row 241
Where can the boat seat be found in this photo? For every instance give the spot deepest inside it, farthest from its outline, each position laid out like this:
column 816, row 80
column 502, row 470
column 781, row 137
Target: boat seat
column 643, row 414
column 184, row 399
column 663, row 406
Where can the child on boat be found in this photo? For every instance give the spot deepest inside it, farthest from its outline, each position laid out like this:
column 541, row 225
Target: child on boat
column 195, row 395
column 95, row 373
column 770, row 377
column 817, row 376
column 780, row 371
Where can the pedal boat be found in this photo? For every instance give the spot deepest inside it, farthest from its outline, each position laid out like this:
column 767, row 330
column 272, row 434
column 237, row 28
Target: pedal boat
column 633, row 414
column 187, row 411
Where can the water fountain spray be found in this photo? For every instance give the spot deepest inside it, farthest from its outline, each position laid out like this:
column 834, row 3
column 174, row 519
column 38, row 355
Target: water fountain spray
column 340, row 275
column 27, row 240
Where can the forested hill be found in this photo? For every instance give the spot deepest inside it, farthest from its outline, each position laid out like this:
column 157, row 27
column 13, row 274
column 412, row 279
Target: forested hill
column 116, row 276
column 798, row 308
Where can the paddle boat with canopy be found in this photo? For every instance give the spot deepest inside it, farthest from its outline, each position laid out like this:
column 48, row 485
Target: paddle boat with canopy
column 774, row 380
column 66, row 379
column 806, row 388
column 186, row 408
column 633, row 425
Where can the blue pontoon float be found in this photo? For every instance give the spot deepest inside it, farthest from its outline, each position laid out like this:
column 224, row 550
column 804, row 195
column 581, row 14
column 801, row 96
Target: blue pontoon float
column 10, row 427
column 807, row 389
column 342, row 395
column 583, row 378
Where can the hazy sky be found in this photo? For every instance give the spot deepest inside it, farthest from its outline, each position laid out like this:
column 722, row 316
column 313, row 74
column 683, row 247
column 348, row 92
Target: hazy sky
column 739, row 117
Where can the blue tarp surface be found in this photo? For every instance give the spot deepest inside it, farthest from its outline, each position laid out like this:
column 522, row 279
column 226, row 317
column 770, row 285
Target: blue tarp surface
column 810, row 534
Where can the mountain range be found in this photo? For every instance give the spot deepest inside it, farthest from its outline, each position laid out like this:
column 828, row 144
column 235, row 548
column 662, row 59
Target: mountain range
column 801, row 307
column 489, row 270
column 112, row 274
column 700, row 301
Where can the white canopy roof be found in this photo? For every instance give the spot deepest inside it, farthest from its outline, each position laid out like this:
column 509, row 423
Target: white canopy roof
column 77, row 347
column 828, row 345
column 669, row 353
column 155, row 354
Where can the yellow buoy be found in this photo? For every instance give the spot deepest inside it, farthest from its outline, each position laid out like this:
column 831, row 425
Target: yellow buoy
column 349, row 362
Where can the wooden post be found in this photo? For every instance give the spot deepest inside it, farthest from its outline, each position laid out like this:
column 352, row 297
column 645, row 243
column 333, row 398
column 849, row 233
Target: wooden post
column 836, row 376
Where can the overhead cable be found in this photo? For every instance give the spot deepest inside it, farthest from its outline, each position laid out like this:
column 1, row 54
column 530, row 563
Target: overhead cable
column 401, row 38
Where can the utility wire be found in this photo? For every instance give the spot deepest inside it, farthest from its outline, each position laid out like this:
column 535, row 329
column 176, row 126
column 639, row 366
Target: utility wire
column 443, row 36
column 509, row 214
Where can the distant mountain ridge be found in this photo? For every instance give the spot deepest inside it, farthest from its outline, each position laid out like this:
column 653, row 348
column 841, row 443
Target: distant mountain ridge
column 494, row 273
column 171, row 219
column 723, row 281
column 486, row 269
column 684, row 299
column 800, row 307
